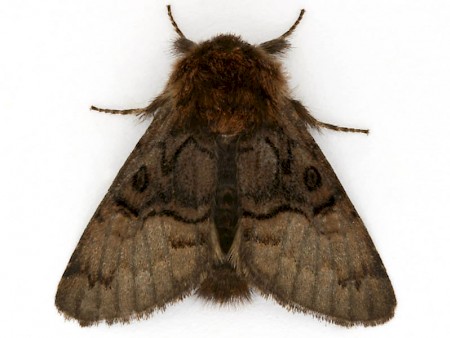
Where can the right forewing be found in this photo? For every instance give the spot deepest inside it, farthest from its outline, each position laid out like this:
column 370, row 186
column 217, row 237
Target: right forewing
column 149, row 242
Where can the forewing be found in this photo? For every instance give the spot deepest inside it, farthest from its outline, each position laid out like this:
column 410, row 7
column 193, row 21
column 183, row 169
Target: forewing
column 149, row 242
column 300, row 239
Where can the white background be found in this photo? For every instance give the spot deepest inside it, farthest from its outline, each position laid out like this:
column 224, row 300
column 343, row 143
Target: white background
column 384, row 65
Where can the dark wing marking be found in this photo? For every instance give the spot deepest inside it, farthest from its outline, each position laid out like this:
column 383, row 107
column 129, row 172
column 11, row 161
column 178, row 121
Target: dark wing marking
column 300, row 239
column 149, row 242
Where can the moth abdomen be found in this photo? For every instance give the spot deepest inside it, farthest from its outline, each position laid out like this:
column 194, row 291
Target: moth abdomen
column 226, row 203
column 224, row 285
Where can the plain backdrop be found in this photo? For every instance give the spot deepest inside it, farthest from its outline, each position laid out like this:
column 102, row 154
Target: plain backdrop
column 383, row 65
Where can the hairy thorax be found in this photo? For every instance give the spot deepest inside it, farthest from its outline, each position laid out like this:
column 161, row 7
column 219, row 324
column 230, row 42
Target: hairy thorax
column 227, row 86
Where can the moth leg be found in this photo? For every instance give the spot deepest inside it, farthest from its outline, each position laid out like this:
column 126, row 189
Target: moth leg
column 150, row 109
column 137, row 111
column 313, row 122
column 320, row 124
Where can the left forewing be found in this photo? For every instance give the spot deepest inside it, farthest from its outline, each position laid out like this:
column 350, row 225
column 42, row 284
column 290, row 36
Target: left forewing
column 300, row 239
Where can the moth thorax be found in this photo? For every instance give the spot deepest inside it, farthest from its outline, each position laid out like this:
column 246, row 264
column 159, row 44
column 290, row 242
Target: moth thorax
column 228, row 86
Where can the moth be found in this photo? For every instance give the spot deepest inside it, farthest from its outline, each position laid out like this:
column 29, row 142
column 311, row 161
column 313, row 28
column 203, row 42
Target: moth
column 226, row 193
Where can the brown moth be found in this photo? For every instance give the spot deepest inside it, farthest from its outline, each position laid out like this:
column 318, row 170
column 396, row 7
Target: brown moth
column 225, row 193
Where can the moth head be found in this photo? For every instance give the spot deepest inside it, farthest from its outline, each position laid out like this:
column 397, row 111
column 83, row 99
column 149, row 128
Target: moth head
column 227, row 84
column 279, row 45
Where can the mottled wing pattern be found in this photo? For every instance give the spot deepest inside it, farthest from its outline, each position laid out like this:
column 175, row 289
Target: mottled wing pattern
column 300, row 239
column 149, row 242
